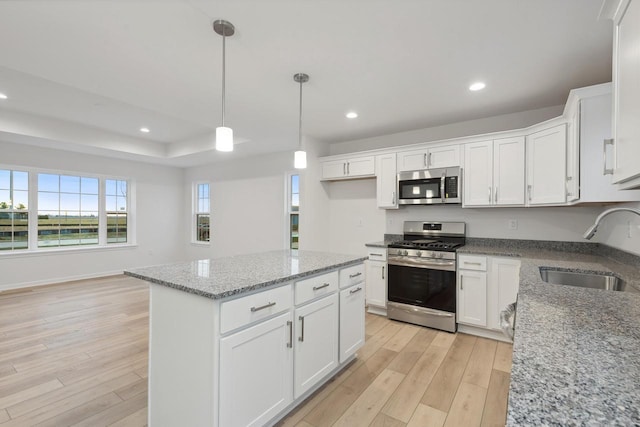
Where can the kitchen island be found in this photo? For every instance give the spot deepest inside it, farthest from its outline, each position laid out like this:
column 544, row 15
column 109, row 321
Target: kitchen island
column 575, row 350
column 242, row 340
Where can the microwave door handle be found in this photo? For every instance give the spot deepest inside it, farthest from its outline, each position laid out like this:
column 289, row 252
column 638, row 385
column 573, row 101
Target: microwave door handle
column 442, row 181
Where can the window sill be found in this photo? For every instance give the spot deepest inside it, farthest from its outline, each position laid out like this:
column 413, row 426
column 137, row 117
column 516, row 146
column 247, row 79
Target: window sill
column 205, row 244
column 66, row 251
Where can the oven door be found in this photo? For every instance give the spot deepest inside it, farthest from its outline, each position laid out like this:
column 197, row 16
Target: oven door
column 420, row 191
column 425, row 285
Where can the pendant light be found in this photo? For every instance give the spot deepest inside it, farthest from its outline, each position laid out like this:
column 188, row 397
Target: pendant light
column 224, row 135
column 300, row 156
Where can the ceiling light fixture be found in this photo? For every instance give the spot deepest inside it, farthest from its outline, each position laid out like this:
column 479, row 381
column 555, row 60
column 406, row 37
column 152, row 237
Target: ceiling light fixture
column 300, row 156
column 144, row 130
column 3, row 96
column 477, row 86
column 351, row 115
column 224, row 135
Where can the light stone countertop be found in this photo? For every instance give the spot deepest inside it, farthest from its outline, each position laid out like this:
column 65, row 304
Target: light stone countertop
column 223, row 277
column 576, row 351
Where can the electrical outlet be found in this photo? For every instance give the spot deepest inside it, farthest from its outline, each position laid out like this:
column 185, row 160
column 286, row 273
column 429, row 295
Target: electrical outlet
column 513, row 224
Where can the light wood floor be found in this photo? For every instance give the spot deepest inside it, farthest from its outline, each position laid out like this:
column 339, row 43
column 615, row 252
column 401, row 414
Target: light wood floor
column 76, row 354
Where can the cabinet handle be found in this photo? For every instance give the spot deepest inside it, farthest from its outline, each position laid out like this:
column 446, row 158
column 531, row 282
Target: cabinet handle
column 429, row 160
column 301, row 337
column 472, row 263
column 375, row 255
column 262, row 307
column 604, row 155
column 490, row 190
column 461, row 286
column 353, row 291
column 383, row 272
column 344, row 169
column 348, row 168
column 393, row 198
column 495, row 196
column 324, row 285
column 290, row 325
column 529, row 191
column 351, row 276
column 425, row 159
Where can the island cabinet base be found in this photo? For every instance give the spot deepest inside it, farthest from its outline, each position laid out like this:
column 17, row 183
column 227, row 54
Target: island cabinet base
column 248, row 360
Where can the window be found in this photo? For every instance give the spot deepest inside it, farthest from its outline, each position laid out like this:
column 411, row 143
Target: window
column 293, row 210
column 14, row 212
column 202, row 212
column 116, row 206
column 67, row 210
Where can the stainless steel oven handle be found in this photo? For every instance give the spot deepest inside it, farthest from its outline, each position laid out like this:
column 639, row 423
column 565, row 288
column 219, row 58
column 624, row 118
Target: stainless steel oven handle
column 422, row 264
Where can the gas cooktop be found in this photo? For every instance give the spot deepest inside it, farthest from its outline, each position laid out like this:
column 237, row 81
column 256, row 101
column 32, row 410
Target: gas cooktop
column 432, row 245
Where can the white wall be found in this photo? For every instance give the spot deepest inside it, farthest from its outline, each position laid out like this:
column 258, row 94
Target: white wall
column 159, row 223
column 614, row 229
column 455, row 130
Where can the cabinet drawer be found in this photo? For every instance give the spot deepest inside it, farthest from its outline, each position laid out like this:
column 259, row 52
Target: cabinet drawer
column 351, row 275
column 472, row 262
column 245, row 310
column 377, row 254
column 308, row 289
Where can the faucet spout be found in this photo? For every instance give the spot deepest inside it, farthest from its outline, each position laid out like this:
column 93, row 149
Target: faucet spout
column 592, row 230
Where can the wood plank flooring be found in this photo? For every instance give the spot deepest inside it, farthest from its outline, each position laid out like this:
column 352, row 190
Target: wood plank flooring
column 76, row 354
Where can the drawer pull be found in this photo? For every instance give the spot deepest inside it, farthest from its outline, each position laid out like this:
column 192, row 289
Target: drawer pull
column 473, row 263
column 353, row 291
column 351, row 276
column 376, row 255
column 324, row 285
column 301, row 337
column 262, row 307
column 290, row 325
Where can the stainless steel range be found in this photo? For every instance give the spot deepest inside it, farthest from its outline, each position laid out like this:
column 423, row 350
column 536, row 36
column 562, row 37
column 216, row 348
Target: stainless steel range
column 422, row 274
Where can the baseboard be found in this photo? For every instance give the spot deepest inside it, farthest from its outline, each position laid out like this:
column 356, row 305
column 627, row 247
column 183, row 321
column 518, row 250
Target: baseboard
column 481, row 332
column 57, row 280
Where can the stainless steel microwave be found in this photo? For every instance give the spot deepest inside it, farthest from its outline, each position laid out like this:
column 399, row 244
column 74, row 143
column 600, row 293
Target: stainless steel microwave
column 431, row 186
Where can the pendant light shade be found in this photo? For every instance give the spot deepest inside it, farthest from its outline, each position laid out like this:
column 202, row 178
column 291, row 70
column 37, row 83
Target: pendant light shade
column 300, row 156
column 224, row 135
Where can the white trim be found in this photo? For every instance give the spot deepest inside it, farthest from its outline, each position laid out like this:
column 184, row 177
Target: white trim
column 58, row 280
column 59, row 250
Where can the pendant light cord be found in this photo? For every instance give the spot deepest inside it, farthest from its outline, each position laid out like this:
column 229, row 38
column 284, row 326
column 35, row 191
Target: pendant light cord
column 224, row 55
column 300, row 124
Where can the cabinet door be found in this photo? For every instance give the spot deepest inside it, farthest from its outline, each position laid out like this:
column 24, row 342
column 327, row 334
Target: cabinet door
column 573, row 155
column 472, row 298
column 412, row 160
column 443, row 157
column 626, row 92
column 386, row 181
column 316, row 342
column 256, row 367
column 351, row 321
column 503, row 283
column 361, row 166
column 376, row 279
column 508, row 171
column 546, row 166
column 334, row 169
column 478, row 174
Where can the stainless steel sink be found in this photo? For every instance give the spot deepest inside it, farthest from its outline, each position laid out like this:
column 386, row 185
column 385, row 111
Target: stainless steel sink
column 607, row 282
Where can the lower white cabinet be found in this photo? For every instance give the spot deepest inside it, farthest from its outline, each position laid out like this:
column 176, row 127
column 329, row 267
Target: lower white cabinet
column 316, row 342
column 502, row 290
column 351, row 321
column 256, row 374
column 472, row 297
column 376, row 280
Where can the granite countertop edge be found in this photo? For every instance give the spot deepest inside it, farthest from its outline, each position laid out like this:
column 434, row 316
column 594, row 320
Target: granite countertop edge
column 242, row 289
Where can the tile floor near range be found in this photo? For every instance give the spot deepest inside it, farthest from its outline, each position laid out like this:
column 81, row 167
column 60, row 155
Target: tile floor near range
column 414, row 376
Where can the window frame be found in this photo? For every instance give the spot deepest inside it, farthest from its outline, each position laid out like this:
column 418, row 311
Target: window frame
column 13, row 210
column 288, row 211
column 195, row 212
column 33, row 249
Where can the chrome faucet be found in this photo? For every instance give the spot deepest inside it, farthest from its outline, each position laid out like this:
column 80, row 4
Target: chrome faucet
column 592, row 230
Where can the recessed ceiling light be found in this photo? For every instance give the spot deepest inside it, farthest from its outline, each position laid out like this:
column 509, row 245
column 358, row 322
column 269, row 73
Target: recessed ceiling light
column 3, row 96
column 477, row 86
column 144, row 130
column 351, row 115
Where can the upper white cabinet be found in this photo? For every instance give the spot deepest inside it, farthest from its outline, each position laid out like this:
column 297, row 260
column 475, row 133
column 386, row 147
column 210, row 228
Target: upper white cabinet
column 494, row 172
column 626, row 92
column 546, row 166
column 353, row 167
column 429, row 158
column 386, row 181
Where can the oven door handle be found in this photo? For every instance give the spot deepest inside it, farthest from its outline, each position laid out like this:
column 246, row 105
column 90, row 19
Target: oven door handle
column 448, row 265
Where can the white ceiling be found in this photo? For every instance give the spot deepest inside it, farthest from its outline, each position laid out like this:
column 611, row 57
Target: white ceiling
column 73, row 67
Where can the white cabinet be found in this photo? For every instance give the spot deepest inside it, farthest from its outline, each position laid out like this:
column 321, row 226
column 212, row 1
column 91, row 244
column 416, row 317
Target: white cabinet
column 351, row 321
column 353, row 167
column 376, row 280
column 256, row 373
column 494, row 172
column 502, row 287
column 472, row 297
column 386, row 181
column 626, row 93
column 316, row 346
column 546, row 166
column 428, row 158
